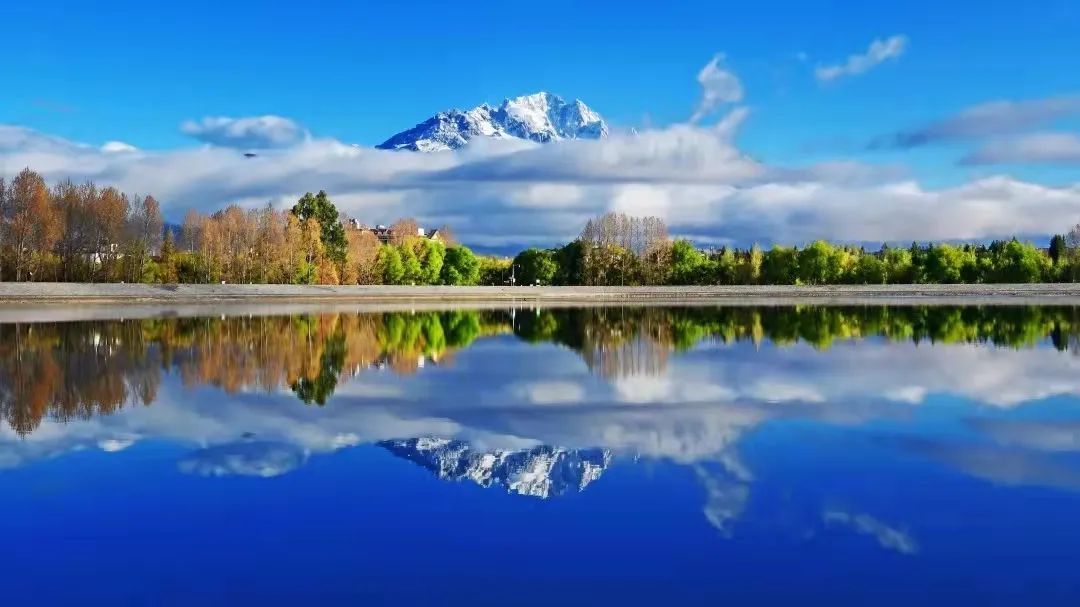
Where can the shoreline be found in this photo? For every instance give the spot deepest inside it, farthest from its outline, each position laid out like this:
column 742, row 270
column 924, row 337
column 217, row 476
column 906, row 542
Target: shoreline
column 116, row 293
column 61, row 302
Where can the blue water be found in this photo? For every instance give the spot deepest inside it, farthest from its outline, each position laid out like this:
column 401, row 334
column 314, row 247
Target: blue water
column 873, row 471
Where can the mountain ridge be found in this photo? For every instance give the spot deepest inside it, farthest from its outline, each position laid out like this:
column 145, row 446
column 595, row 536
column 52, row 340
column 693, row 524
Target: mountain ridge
column 541, row 117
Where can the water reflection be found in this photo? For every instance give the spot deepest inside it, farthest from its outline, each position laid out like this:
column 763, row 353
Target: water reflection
column 79, row 369
column 541, row 471
column 826, row 425
column 865, row 363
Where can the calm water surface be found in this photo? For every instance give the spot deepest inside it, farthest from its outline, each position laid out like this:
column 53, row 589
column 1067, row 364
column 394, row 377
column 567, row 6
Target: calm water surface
column 886, row 456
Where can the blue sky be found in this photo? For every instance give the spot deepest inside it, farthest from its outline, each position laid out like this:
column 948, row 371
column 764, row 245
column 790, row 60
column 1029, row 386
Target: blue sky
column 134, row 72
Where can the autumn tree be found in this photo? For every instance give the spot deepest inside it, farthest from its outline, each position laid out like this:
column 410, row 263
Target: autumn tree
column 211, row 248
column 618, row 248
column 3, row 222
column 271, row 252
column 167, row 257
column 362, row 257
column 403, row 230
column 110, row 214
column 32, row 224
column 144, row 233
column 332, row 234
column 237, row 230
column 447, row 236
column 73, row 205
column 190, row 231
column 314, row 265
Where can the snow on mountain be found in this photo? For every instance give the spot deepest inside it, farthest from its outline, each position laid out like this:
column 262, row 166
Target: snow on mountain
column 541, row 117
column 538, row 472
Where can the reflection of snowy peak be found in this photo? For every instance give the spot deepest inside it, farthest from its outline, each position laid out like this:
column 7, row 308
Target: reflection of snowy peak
column 541, row 117
column 540, row 472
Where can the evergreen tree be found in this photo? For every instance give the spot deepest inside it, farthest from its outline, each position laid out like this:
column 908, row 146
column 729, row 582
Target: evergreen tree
column 319, row 207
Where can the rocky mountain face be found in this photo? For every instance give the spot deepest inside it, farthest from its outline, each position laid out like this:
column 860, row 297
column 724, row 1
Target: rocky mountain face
column 541, row 117
column 541, row 472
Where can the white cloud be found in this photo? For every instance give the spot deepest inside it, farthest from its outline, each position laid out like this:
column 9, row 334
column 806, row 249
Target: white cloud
column 718, row 86
column 1037, row 148
column 254, row 132
column 118, row 147
column 878, row 51
column 512, row 194
column 991, row 119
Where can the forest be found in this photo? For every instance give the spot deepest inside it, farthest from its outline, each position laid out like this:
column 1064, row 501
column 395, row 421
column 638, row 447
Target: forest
column 86, row 233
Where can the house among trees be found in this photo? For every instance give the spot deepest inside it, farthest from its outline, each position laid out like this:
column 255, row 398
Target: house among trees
column 398, row 231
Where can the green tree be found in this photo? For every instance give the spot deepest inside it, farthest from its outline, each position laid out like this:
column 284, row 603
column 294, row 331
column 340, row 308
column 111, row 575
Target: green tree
column 1017, row 261
column 749, row 268
column 688, row 265
column 869, row 270
column 332, row 233
column 413, row 273
column 779, row 265
column 724, row 266
column 393, row 270
column 535, row 266
column 947, row 264
column 1058, row 248
column 460, row 267
column 433, row 256
column 818, row 264
column 493, row 270
column 898, row 268
column 571, row 262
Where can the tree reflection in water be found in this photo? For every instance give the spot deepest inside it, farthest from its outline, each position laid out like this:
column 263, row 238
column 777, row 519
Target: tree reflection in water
column 76, row 370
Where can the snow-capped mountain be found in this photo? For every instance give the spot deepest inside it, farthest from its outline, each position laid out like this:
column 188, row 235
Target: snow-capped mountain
column 541, row 117
column 539, row 472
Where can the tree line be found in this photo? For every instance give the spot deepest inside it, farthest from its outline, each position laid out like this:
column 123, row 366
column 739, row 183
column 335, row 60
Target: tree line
column 75, row 232
column 619, row 250
column 86, row 233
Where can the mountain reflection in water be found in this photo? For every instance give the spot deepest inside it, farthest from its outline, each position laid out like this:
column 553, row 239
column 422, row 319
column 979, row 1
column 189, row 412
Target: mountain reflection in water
column 538, row 472
column 736, row 441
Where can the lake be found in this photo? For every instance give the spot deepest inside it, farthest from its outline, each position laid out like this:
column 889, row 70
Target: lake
column 579, row 456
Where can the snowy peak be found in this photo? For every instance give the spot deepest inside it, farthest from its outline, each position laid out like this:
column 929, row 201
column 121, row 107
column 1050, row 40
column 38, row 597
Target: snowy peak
column 540, row 117
column 541, row 472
